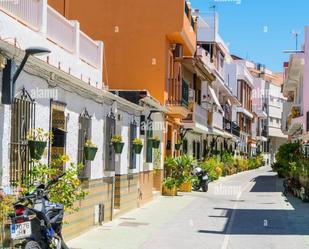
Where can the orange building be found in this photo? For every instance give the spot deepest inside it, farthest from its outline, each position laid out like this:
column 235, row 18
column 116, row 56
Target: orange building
column 145, row 43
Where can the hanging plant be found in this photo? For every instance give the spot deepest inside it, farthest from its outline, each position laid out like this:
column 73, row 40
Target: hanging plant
column 178, row 145
column 37, row 142
column 156, row 142
column 137, row 145
column 90, row 150
column 117, row 143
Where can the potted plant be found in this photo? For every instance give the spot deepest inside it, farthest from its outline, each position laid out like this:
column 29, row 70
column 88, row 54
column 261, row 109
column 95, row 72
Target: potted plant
column 169, row 187
column 90, row 150
column 156, row 142
column 37, row 142
column 137, row 145
column 117, row 143
column 186, row 185
column 178, row 145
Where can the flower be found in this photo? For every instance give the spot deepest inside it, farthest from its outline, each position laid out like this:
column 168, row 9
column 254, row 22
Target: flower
column 65, row 158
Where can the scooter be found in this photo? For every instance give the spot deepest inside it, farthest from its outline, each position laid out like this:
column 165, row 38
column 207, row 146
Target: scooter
column 202, row 179
column 37, row 222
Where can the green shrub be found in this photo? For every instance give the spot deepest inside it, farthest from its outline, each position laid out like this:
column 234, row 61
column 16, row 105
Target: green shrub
column 287, row 154
column 241, row 164
column 213, row 166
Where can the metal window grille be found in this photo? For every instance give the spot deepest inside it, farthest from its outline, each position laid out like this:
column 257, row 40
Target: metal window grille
column 22, row 120
column 133, row 135
column 110, row 129
column 84, row 134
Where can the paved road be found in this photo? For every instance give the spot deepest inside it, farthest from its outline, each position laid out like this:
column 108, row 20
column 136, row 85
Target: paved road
column 245, row 211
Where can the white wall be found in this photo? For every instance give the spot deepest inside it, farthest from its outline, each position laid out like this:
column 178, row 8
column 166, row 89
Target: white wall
column 75, row 104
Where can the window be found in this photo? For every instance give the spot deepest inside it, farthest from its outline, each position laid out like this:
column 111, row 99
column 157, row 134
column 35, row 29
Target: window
column 194, row 149
column 110, row 128
column 149, row 145
column 198, row 150
column 22, row 120
column 58, row 127
column 133, row 135
column 185, row 146
column 84, row 134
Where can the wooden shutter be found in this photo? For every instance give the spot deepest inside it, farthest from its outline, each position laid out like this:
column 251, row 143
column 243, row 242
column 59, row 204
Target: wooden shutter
column 110, row 129
column 133, row 134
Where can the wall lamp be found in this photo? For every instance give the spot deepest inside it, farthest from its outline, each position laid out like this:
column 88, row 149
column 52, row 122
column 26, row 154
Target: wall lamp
column 10, row 73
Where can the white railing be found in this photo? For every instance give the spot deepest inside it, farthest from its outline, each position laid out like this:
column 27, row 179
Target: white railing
column 200, row 114
column 37, row 15
column 217, row 120
column 25, row 11
column 60, row 30
column 205, row 57
column 89, row 50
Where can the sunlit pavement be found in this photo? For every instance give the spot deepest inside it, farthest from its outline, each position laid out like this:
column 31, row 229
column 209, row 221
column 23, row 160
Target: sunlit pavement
column 242, row 211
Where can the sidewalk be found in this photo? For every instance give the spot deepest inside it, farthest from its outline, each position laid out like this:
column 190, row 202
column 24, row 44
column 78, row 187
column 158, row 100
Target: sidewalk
column 132, row 229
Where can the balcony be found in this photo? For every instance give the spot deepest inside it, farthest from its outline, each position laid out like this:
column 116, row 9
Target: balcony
column 72, row 51
column 231, row 127
column 216, row 120
column 197, row 119
column 185, row 36
column 178, row 99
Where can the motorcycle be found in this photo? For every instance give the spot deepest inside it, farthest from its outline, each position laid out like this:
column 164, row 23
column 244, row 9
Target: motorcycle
column 202, row 179
column 37, row 222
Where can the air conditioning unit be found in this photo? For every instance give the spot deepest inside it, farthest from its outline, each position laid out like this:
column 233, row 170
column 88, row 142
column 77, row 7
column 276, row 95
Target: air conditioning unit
column 178, row 51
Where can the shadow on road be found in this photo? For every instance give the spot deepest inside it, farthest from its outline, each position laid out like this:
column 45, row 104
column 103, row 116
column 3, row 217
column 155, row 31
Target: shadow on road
column 290, row 220
column 265, row 184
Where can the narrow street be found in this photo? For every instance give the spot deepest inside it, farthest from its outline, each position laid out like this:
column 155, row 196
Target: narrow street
column 246, row 210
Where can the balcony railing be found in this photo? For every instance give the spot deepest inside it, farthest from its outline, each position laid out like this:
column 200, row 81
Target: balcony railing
column 60, row 30
column 40, row 17
column 217, row 120
column 26, row 11
column 235, row 129
column 264, row 133
column 89, row 50
column 231, row 127
column 227, row 125
column 179, row 93
column 198, row 115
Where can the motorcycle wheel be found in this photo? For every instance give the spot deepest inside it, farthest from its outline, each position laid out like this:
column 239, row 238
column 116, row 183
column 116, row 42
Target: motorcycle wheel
column 32, row 245
column 196, row 187
column 205, row 188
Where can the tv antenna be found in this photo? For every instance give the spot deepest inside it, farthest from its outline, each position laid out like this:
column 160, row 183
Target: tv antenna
column 296, row 34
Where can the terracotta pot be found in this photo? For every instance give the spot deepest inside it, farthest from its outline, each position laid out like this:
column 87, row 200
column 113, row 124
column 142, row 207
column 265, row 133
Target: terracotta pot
column 185, row 187
column 169, row 192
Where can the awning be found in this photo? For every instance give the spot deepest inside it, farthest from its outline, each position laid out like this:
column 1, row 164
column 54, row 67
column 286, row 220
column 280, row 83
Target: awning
column 244, row 111
column 214, row 97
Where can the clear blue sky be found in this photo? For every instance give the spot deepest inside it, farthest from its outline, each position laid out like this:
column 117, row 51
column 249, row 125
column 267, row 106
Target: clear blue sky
column 242, row 26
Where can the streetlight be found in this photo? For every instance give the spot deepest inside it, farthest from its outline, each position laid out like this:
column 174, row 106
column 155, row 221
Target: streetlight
column 29, row 51
column 10, row 73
